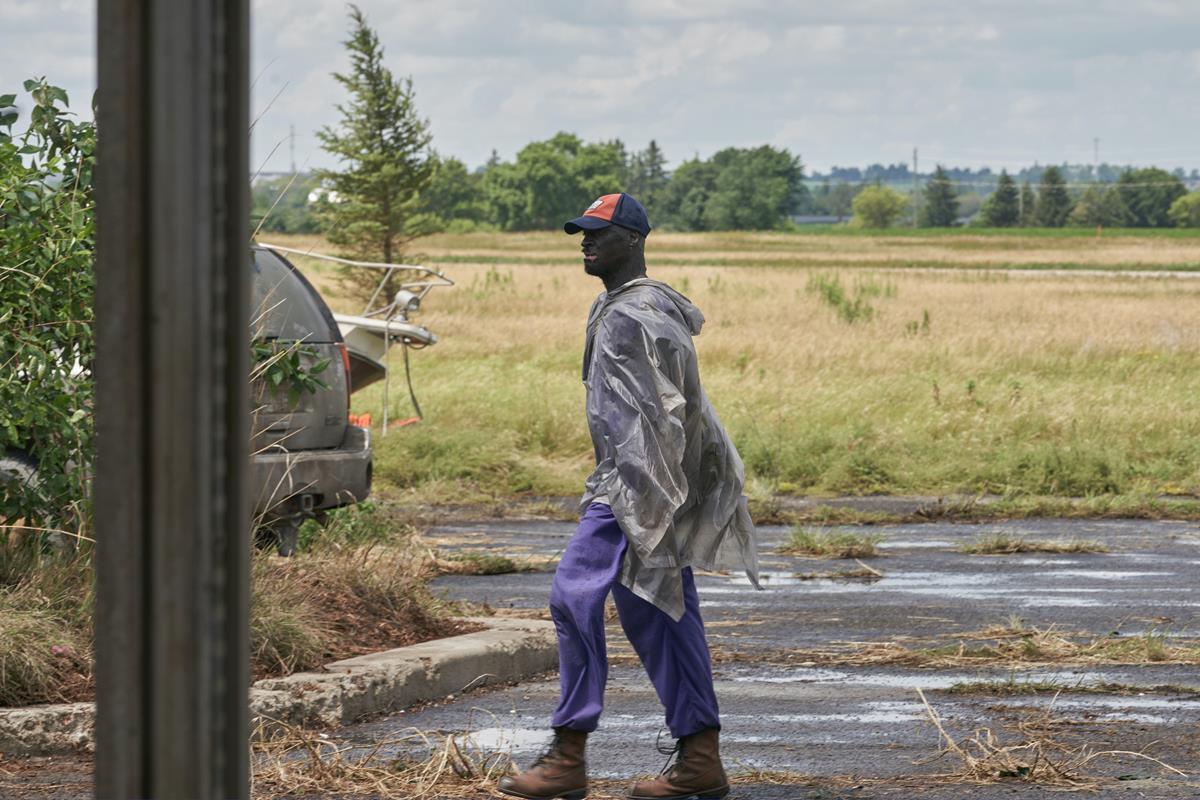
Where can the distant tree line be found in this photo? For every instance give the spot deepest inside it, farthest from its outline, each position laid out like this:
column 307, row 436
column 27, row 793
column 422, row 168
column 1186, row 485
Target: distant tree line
column 1140, row 198
column 757, row 188
column 553, row 180
column 984, row 176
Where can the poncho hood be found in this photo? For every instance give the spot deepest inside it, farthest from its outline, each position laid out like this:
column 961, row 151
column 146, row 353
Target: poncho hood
column 691, row 315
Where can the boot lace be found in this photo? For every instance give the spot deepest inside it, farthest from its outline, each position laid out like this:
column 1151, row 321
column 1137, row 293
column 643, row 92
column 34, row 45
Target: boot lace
column 673, row 753
column 550, row 752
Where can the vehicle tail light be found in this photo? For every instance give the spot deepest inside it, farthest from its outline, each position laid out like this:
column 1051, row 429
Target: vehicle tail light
column 346, row 364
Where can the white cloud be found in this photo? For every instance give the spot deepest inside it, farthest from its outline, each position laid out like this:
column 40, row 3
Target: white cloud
column 682, row 10
column 804, row 47
column 844, row 102
column 987, row 33
column 991, row 81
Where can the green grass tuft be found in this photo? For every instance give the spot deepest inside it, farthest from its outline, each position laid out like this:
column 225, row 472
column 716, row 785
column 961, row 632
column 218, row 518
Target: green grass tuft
column 830, row 544
column 480, row 564
column 1006, row 544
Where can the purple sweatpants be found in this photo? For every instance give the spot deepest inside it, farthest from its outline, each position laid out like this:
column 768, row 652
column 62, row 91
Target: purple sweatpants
column 675, row 654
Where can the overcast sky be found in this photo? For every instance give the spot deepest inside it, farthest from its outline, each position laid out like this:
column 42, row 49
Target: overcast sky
column 969, row 82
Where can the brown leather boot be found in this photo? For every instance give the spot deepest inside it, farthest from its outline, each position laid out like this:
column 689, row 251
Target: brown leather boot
column 560, row 772
column 696, row 773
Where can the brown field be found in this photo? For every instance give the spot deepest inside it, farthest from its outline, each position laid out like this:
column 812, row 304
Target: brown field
column 965, row 377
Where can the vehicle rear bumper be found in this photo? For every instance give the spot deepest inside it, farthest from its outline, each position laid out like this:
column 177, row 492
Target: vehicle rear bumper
column 283, row 483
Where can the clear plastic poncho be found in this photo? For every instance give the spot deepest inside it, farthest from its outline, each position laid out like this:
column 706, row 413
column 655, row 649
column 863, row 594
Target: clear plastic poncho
column 664, row 463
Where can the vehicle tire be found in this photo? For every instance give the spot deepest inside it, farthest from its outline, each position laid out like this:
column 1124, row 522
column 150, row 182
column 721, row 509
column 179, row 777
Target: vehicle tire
column 16, row 468
column 287, row 534
column 22, row 469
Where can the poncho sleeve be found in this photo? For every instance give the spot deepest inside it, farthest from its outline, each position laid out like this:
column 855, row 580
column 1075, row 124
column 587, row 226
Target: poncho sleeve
column 638, row 407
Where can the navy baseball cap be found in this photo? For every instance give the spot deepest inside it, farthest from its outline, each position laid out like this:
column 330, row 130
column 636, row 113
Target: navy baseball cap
column 611, row 209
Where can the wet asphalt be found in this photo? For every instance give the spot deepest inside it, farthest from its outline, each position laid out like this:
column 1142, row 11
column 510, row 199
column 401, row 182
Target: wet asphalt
column 863, row 731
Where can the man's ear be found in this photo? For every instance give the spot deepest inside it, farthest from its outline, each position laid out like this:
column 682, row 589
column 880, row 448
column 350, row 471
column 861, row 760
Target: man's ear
column 634, row 238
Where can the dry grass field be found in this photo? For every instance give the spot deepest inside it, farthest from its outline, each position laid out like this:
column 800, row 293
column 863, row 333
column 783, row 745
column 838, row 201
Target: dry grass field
column 1022, row 364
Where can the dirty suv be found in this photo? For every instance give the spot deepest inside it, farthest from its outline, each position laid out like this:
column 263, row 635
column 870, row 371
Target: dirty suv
column 306, row 456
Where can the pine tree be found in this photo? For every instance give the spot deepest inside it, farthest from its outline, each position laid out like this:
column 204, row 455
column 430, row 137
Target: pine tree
column 648, row 177
column 940, row 209
column 1053, row 202
column 1002, row 209
column 1028, row 206
column 628, row 162
column 384, row 148
column 1099, row 207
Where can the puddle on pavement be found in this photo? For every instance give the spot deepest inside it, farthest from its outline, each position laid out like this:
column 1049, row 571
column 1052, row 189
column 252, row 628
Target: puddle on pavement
column 939, row 680
column 864, row 718
column 1097, row 574
column 506, row 739
column 768, row 579
column 1141, row 719
column 819, row 586
column 1061, row 601
column 881, row 713
column 1124, row 709
column 958, row 585
column 1135, row 702
column 525, row 741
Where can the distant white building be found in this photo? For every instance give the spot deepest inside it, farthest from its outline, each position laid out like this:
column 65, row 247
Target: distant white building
column 320, row 192
column 817, row 219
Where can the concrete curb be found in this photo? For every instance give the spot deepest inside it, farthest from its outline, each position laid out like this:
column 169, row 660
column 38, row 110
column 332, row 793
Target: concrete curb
column 348, row 690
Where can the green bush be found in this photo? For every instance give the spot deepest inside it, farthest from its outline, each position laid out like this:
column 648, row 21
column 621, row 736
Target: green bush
column 1185, row 211
column 1148, row 194
column 47, row 346
column 878, row 207
column 352, row 526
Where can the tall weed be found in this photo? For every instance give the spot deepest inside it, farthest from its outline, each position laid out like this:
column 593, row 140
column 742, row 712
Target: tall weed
column 851, row 305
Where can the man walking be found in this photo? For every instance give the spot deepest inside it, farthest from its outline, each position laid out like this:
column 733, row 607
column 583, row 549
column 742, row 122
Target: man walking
column 666, row 496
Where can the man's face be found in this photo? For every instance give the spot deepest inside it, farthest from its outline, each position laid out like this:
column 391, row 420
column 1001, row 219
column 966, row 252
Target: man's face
column 605, row 250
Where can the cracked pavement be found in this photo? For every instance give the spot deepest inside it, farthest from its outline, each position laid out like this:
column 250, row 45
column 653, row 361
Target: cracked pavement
column 862, row 731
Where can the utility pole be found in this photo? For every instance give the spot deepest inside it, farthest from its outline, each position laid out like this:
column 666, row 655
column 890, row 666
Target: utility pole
column 172, row 404
column 914, row 189
column 292, row 146
column 1096, row 173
